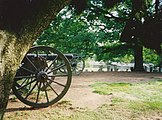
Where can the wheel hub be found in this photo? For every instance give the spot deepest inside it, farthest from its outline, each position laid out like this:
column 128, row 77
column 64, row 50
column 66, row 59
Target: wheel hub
column 73, row 64
column 42, row 76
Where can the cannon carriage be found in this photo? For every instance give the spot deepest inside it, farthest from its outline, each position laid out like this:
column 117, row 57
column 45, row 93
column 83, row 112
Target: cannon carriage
column 44, row 76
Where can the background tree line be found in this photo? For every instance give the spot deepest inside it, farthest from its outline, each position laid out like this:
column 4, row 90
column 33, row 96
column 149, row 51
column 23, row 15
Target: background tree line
column 117, row 34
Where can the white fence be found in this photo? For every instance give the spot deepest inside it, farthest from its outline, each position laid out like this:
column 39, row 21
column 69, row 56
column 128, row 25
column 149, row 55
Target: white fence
column 93, row 66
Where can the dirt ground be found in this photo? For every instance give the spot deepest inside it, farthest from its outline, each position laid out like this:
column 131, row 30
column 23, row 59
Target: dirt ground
column 81, row 95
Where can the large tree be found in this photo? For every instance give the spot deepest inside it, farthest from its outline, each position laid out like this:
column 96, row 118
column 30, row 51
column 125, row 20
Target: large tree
column 143, row 22
column 133, row 20
column 21, row 22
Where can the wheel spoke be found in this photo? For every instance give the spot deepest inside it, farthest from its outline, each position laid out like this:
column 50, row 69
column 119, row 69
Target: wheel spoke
column 57, row 68
column 31, row 90
column 52, row 88
column 76, row 68
column 21, row 77
column 46, row 93
column 57, row 82
column 26, row 84
column 32, row 63
column 38, row 92
column 27, row 70
column 51, row 64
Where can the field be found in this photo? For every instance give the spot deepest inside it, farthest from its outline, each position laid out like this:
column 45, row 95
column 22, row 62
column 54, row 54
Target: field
column 100, row 96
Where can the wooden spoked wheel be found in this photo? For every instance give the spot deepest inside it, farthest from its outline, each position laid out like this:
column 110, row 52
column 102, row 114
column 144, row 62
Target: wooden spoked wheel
column 77, row 64
column 39, row 81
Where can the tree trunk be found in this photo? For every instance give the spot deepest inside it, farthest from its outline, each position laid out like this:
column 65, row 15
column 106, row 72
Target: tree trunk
column 17, row 34
column 138, row 58
column 12, row 51
column 11, row 54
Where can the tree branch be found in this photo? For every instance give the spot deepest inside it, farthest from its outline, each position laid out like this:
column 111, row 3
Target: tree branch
column 107, row 14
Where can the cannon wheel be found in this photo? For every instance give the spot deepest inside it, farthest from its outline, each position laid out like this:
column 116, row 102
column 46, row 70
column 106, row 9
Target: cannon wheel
column 78, row 64
column 38, row 81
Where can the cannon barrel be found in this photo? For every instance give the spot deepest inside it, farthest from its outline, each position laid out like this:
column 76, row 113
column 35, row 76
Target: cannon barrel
column 50, row 56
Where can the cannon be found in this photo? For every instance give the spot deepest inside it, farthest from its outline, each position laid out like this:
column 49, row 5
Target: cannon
column 77, row 63
column 43, row 77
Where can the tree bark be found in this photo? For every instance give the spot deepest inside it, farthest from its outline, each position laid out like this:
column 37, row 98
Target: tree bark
column 10, row 59
column 17, row 37
column 138, row 58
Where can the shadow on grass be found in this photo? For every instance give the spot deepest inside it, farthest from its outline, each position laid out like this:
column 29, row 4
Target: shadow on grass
column 61, row 104
column 22, row 109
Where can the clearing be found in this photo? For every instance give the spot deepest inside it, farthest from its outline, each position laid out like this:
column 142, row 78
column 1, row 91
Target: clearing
column 81, row 97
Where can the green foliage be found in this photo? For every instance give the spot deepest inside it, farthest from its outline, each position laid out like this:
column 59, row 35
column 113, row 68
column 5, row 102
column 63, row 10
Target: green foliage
column 150, row 56
column 117, row 52
column 70, row 35
column 96, row 31
column 74, row 34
